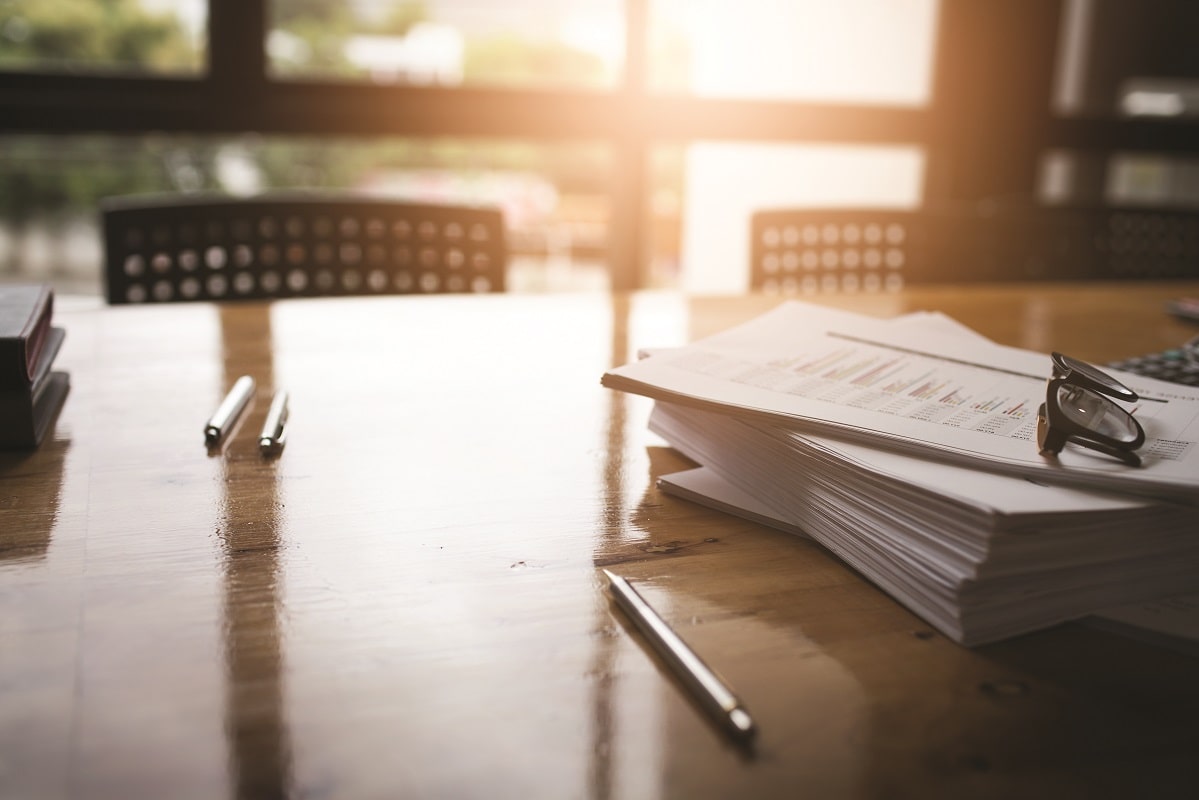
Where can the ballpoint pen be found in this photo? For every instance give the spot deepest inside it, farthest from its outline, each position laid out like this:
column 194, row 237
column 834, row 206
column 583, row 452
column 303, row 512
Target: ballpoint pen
column 712, row 692
column 274, row 429
column 228, row 411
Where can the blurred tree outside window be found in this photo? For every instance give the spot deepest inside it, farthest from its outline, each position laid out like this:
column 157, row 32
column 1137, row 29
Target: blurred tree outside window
column 45, row 186
column 555, row 193
column 142, row 36
column 575, row 44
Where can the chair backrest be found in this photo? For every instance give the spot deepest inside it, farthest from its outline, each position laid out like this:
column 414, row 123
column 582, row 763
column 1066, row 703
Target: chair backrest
column 808, row 251
column 181, row 248
column 1108, row 243
column 828, row 250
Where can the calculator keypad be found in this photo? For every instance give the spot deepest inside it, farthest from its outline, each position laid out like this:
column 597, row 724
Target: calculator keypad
column 1178, row 364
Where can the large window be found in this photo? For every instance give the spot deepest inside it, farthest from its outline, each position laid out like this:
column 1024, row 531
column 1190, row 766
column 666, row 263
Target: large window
column 626, row 140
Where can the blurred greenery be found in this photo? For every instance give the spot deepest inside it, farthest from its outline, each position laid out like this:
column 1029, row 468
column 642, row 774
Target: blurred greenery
column 318, row 30
column 93, row 34
column 40, row 178
column 53, row 179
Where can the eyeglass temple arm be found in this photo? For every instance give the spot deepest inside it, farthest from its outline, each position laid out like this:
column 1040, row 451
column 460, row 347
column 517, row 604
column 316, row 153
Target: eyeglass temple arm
column 1127, row 456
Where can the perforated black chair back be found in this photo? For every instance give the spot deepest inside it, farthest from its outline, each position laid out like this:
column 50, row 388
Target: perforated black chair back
column 807, row 251
column 178, row 249
column 1108, row 243
column 826, row 250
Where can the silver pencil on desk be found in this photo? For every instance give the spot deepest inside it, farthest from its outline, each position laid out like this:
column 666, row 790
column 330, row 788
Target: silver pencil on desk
column 228, row 411
column 712, row 692
column 274, row 429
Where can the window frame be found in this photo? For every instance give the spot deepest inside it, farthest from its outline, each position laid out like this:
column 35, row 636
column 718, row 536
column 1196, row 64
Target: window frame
column 980, row 97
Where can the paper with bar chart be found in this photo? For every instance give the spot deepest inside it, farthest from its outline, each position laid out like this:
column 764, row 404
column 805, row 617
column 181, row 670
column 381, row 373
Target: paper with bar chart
column 903, row 387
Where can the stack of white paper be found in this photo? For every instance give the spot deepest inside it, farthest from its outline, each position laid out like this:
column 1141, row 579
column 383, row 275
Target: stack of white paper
column 968, row 542
column 910, row 388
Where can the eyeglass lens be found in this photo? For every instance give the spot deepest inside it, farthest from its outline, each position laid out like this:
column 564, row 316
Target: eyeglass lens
column 1096, row 413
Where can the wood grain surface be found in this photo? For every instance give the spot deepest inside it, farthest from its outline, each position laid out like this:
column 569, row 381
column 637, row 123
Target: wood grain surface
column 407, row 602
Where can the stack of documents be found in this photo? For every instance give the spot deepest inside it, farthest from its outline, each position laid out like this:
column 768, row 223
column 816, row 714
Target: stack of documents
column 907, row 449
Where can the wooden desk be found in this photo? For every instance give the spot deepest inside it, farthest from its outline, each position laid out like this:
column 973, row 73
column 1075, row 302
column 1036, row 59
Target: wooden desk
column 406, row 602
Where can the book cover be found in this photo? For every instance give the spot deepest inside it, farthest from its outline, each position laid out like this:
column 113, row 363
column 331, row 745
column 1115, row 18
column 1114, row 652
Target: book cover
column 26, row 413
column 25, row 313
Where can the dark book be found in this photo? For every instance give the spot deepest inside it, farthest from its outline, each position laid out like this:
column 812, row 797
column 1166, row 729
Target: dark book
column 25, row 313
column 26, row 413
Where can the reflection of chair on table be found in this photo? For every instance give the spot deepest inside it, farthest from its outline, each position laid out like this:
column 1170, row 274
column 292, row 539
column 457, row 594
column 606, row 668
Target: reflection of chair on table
column 172, row 248
column 806, row 251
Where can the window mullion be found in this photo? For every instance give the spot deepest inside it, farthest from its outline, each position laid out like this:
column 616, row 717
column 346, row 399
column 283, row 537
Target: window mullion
column 237, row 47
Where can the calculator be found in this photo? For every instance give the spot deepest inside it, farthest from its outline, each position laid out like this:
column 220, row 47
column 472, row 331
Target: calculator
column 1177, row 364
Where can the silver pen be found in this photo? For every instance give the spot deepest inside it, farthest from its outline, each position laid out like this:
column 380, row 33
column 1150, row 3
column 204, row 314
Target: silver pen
column 228, row 411
column 712, row 692
column 274, row 429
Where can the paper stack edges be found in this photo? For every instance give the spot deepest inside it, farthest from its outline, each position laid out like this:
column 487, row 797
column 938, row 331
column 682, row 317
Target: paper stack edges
column 981, row 547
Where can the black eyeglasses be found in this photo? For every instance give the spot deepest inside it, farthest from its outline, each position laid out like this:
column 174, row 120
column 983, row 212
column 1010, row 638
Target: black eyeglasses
column 1078, row 409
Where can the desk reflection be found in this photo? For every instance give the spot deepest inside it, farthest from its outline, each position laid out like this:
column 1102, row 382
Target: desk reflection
column 612, row 529
column 30, row 516
column 250, row 529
